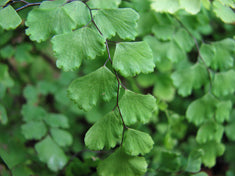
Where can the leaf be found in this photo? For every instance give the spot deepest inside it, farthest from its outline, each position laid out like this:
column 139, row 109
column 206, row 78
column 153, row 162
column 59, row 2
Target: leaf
column 22, row 53
column 136, row 142
column 163, row 31
column 57, row 120
column 210, row 131
column 129, row 58
column 187, row 79
column 194, row 161
column 87, row 90
column 7, row 51
column 55, row 17
column 167, row 161
column 223, row 111
column 31, row 94
column 104, row 4
column 192, row 6
column 9, row 19
column 230, row 131
column 121, row 21
column 49, row 152
column 105, row 133
column 3, row 115
column 211, row 150
column 136, row 107
column 3, row 2
column 71, row 48
column 170, row 6
column 121, row 164
column 31, row 112
column 219, row 55
column 34, row 130
column 201, row 109
column 175, row 53
column 5, row 78
column 200, row 174
column 163, row 88
column 224, row 12
column 226, row 79
column 61, row 137
column 184, row 40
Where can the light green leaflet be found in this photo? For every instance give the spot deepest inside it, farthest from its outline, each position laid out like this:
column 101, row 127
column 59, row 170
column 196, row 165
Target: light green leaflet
column 50, row 153
column 211, row 150
column 9, row 19
column 219, row 55
column 223, row 111
column 137, row 107
column 120, row 21
column 87, row 90
column 130, row 56
column 172, row 6
column 194, row 161
column 71, row 48
column 190, row 78
column 55, row 17
column 201, row 109
column 61, row 137
column 31, row 112
column 227, row 79
column 103, row 4
column 136, row 142
column 105, row 133
column 224, row 11
column 210, row 131
column 121, row 164
column 34, row 130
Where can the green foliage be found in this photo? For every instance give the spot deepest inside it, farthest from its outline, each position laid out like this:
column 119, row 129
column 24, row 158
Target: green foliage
column 125, row 165
column 117, row 87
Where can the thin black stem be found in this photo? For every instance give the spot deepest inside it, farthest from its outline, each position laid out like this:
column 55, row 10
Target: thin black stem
column 198, row 50
column 116, row 74
column 27, row 4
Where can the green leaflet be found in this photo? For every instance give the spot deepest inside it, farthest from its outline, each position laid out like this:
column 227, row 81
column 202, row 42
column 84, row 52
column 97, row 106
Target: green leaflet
column 136, row 107
column 210, row 131
column 224, row 11
column 201, row 109
column 71, row 48
column 211, row 150
column 9, row 19
column 22, row 53
column 57, row 120
column 34, row 130
column 130, row 56
column 194, row 161
column 200, row 174
column 55, row 17
column 120, row 21
column 5, row 78
column 104, row 4
column 190, row 78
column 3, row 2
column 167, row 161
column 136, row 142
column 219, row 55
column 121, row 164
column 230, row 131
column 7, row 52
column 49, row 152
column 31, row 94
column 223, row 111
column 61, row 137
column 87, row 90
column 192, row 6
column 31, row 112
column 3, row 115
column 163, row 88
column 171, row 6
column 105, row 133
column 227, row 79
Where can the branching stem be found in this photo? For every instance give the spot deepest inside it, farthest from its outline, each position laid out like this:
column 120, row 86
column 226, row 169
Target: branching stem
column 198, row 50
column 116, row 74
